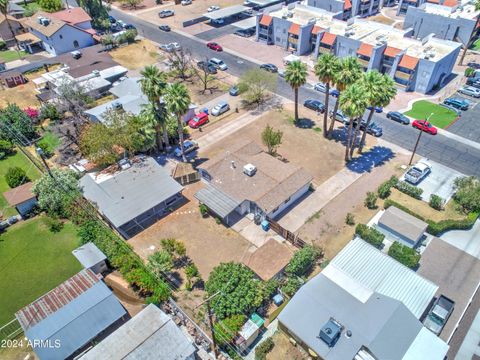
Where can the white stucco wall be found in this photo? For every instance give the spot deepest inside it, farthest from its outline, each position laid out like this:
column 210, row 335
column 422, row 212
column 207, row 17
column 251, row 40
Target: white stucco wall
column 293, row 198
column 65, row 40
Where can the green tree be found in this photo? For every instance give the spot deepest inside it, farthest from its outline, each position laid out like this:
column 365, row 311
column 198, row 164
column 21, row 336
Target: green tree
column 467, row 193
column 353, row 102
column 326, row 68
column 178, row 101
column 191, row 272
column 6, row 147
column 15, row 125
column 239, row 290
column 226, row 330
column 174, row 247
column 291, row 286
column 97, row 11
column 50, row 5
column 303, row 260
column 16, row 176
column 404, row 254
column 271, row 139
column 255, row 86
column 296, row 76
column 132, row 3
column 160, row 262
column 348, row 73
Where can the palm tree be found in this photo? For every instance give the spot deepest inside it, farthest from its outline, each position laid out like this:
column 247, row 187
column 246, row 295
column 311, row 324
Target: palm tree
column 353, row 102
column 4, row 11
column 380, row 90
column 153, row 84
column 296, row 76
column 177, row 101
column 349, row 72
column 325, row 69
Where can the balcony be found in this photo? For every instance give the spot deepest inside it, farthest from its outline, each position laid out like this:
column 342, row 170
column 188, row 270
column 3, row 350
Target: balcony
column 363, row 62
column 402, row 75
column 293, row 39
column 324, row 50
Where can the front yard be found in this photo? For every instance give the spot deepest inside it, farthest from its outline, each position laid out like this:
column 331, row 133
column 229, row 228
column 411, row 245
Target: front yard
column 137, row 55
column 442, row 117
column 10, row 55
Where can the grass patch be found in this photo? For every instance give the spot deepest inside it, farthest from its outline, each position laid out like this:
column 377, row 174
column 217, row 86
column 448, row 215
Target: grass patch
column 52, row 140
column 476, row 45
column 317, row 129
column 442, row 117
column 10, row 55
column 34, row 260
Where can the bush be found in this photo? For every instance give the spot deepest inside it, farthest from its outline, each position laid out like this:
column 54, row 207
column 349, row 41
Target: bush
column 384, row 190
column 467, row 193
column 226, row 330
column 16, row 176
column 46, row 148
column 6, row 147
column 32, row 113
column 370, row 235
column 55, row 225
column 371, row 200
column 403, row 254
column 203, row 210
column 291, row 286
column 469, row 71
column 410, row 190
column 49, row 111
column 218, row 221
column 350, row 219
column 303, row 260
column 3, row 45
column 264, row 348
column 436, row 202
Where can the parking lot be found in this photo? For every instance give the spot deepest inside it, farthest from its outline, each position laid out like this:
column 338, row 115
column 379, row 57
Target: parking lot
column 468, row 125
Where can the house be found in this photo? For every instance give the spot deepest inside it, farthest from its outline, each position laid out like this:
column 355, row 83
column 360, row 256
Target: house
column 22, row 198
column 70, row 316
column 5, row 32
column 91, row 257
column 404, row 5
column 151, row 334
column 245, row 179
column 15, row 10
column 132, row 198
column 269, row 260
column 76, row 17
column 400, row 226
column 57, row 36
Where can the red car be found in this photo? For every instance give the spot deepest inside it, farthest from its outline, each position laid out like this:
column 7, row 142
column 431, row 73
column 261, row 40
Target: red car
column 214, row 46
column 424, row 125
column 198, row 120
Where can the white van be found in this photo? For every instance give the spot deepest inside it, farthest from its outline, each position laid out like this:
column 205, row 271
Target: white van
column 219, row 64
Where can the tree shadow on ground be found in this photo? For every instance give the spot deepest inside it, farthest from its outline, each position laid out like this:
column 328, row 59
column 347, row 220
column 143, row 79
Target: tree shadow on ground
column 376, row 156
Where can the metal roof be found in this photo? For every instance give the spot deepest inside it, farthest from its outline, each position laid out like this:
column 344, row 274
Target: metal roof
column 225, row 12
column 133, row 104
column 89, row 255
column 246, row 23
column 378, row 272
column 126, row 194
column 151, row 334
column 217, row 201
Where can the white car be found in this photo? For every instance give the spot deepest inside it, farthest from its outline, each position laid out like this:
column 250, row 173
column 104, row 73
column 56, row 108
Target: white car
column 219, row 64
column 220, row 108
column 213, row 8
column 188, row 146
column 170, row 47
column 470, row 90
column 186, row 2
column 320, row 87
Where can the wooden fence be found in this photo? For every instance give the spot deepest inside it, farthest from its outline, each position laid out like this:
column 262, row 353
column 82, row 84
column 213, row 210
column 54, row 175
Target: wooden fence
column 286, row 234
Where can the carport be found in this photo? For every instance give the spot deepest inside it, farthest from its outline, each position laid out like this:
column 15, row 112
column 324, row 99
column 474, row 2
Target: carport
column 217, row 201
column 225, row 12
column 246, row 23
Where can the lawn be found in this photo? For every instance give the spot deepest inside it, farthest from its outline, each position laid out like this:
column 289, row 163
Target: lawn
column 10, row 55
column 20, row 160
column 476, row 45
column 34, row 260
column 442, row 117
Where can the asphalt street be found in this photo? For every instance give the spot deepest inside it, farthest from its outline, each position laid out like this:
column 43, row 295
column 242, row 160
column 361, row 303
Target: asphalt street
column 450, row 152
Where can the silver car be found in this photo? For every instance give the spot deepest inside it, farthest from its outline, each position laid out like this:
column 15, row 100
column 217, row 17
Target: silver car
column 220, row 108
column 470, row 90
column 320, row 87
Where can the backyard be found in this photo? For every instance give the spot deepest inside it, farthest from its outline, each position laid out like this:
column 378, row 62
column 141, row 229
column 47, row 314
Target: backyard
column 34, row 260
column 442, row 117
column 10, row 55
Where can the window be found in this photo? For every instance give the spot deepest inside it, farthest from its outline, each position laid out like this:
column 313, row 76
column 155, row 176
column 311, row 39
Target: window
column 75, row 44
column 171, row 201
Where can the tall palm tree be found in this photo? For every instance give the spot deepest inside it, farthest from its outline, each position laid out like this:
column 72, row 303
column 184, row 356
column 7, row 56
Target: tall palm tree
column 4, row 11
column 177, row 101
column 353, row 102
column 349, row 72
column 325, row 69
column 153, row 84
column 380, row 90
column 296, row 76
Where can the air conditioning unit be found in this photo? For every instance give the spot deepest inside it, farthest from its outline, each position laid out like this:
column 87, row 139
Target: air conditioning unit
column 249, row 169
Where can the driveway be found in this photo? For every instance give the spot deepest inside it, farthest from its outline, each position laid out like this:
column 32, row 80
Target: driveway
column 466, row 240
column 468, row 125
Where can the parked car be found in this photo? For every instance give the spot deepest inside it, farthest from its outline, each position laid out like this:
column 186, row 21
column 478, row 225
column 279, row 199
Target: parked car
column 213, row 8
column 470, row 91
column 475, row 82
column 334, row 93
column 438, row 315
column 129, row 27
column 341, row 117
column 219, row 64
column 234, row 91
column 424, row 125
column 174, row 46
column 457, row 103
column 207, row 67
column 378, row 109
column 281, row 73
column 269, row 67
column 165, row 28
column 473, row 65
column 398, row 117
column 417, row 172
column 220, row 108
column 323, row 88
column 166, row 13
column 112, row 19
column 373, row 128
column 188, row 147
column 217, row 21
column 186, row 2
column 13, row 219
column 314, row 105
column 214, row 46
column 198, row 120
column 245, row 32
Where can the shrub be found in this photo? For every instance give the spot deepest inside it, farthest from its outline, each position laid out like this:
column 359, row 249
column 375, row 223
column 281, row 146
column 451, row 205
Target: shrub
column 384, row 190
column 303, row 260
column 403, row 254
column 469, row 71
column 16, row 176
column 371, row 200
column 291, row 286
column 218, row 221
column 3, row 45
column 55, row 225
column 31, row 112
column 436, row 202
column 370, row 235
column 49, row 111
column 264, row 348
column 350, row 219
column 226, row 330
column 410, row 190
column 467, row 193
column 203, row 210
column 46, row 148
column 6, row 147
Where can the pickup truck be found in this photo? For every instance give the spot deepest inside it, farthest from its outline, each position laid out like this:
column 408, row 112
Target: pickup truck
column 438, row 315
column 417, row 172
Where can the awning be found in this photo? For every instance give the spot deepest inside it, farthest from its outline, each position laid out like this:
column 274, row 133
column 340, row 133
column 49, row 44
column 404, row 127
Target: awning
column 391, row 51
column 365, row 50
column 225, row 12
column 316, row 29
column 294, row 29
column 217, row 201
column 28, row 37
column 408, row 62
column 347, row 5
column 328, row 38
column 266, row 20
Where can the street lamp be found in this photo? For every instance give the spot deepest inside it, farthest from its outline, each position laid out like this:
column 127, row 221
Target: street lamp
column 418, row 140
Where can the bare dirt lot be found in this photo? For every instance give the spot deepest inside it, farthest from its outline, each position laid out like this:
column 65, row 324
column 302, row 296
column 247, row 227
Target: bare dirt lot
column 137, row 55
column 284, row 349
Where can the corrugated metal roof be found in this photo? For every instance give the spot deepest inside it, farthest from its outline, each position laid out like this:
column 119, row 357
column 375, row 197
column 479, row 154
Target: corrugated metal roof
column 89, row 255
column 225, row 12
column 383, row 274
column 217, row 201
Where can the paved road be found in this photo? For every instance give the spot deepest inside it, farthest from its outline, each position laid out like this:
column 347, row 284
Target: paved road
column 442, row 149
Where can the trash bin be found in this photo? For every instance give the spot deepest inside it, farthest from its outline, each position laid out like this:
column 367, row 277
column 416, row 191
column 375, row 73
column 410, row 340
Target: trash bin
column 205, row 110
column 278, row 299
column 265, row 225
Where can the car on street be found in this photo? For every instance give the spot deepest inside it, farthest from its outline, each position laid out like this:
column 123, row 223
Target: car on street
column 219, row 64
column 166, row 13
column 188, row 147
column 457, row 103
column 470, row 91
column 314, row 105
column 214, row 46
column 129, row 27
column 245, row 32
column 205, row 66
column 269, row 67
column 398, row 117
column 173, row 46
column 417, row 172
column 472, row 81
column 112, row 19
column 213, row 8
column 340, row 117
column 378, row 109
column 198, row 120
column 438, row 315
column 165, row 28
column 323, row 88
column 334, row 93
column 372, row 129
column 220, row 108
column 186, row 2
column 473, row 65
column 234, row 91
column 424, row 125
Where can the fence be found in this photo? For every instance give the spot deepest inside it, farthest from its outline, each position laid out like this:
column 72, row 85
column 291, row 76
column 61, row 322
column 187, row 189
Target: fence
column 10, row 330
column 286, row 234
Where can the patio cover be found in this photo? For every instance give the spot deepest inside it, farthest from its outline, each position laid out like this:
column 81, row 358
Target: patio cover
column 248, row 23
column 217, row 201
column 226, row 12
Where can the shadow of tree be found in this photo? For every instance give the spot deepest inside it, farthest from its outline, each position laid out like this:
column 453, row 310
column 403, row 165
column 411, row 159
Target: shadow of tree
column 376, row 156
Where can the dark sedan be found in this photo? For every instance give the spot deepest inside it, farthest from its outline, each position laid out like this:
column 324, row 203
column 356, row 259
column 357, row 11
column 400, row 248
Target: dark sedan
column 398, row 117
column 165, row 28
column 314, row 105
column 269, row 67
column 373, row 128
column 203, row 65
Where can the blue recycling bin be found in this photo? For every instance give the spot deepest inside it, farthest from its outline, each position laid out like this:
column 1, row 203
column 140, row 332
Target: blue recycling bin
column 265, row 225
column 205, row 110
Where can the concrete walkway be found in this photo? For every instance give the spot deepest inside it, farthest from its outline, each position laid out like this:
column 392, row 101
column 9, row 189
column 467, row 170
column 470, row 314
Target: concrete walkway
column 466, row 240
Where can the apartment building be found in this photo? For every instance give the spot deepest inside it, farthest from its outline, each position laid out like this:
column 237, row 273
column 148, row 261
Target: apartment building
column 404, row 5
column 415, row 65
column 350, row 8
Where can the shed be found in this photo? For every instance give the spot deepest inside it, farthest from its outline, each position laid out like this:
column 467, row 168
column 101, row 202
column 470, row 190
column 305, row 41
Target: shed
column 13, row 78
column 90, row 256
column 249, row 332
column 402, row 227
column 22, row 198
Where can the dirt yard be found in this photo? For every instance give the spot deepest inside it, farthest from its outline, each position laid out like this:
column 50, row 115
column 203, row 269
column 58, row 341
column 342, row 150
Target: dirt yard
column 284, row 349
column 137, row 55
column 382, row 19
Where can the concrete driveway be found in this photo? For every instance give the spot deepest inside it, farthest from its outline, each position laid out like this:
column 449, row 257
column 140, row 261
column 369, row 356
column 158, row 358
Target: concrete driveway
column 466, row 240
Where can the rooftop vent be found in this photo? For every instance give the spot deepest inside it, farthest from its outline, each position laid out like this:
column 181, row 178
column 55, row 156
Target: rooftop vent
column 330, row 332
column 124, row 164
column 249, row 169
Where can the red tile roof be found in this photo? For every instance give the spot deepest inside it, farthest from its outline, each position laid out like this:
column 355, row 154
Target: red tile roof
column 408, row 62
column 294, row 29
column 328, row 38
column 266, row 20
column 365, row 50
column 391, row 51
column 316, row 29
column 450, row 3
column 347, row 5
column 19, row 194
column 72, row 16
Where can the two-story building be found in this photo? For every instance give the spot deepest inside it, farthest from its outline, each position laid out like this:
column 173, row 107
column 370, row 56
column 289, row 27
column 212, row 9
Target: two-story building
column 404, row 5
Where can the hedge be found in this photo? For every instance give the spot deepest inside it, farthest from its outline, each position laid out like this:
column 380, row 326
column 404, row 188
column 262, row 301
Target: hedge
column 370, row 235
column 410, row 190
column 384, row 188
column 403, row 254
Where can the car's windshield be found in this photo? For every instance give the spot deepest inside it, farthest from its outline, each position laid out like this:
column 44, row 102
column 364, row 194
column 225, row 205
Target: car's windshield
column 436, row 319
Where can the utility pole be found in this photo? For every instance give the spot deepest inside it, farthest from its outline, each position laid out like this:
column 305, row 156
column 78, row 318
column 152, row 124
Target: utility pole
column 418, row 140
column 41, row 154
column 210, row 321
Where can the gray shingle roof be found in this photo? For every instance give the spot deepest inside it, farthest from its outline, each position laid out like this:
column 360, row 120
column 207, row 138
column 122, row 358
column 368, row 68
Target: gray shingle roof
column 89, row 255
column 130, row 103
column 401, row 222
